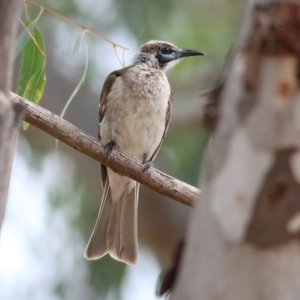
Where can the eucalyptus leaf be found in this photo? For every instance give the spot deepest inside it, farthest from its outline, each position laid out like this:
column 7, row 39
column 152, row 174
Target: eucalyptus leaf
column 34, row 89
column 33, row 60
column 32, row 78
column 25, row 125
column 35, row 86
column 77, row 44
column 24, row 37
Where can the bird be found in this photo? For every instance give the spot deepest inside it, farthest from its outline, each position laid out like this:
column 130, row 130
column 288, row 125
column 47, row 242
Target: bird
column 134, row 115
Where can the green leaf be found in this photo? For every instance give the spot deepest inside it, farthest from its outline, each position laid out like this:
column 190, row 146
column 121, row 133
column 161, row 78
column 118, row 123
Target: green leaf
column 32, row 78
column 77, row 44
column 33, row 60
column 34, row 89
column 24, row 37
column 25, row 125
column 35, row 86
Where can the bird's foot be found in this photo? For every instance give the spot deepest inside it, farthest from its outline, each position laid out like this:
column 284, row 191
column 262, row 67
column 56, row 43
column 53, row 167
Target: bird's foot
column 109, row 147
column 147, row 164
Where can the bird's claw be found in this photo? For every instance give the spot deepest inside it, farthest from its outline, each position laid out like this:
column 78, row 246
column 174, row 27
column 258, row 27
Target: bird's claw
column 147, row 164
column 109, row 147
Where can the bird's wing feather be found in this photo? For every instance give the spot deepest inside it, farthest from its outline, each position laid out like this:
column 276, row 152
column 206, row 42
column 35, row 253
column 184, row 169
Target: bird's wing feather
column 107, row 87
column 168, row 117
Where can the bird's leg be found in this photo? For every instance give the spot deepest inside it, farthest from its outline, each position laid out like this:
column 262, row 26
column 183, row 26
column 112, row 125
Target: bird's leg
column 147, row 163
column 109, row 147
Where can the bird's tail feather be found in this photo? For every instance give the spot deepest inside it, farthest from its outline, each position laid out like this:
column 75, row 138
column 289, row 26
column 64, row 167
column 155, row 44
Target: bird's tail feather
column 115, row 230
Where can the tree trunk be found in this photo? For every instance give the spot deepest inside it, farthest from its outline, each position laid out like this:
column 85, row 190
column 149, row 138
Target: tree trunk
column 243, row 240
column 9, row 113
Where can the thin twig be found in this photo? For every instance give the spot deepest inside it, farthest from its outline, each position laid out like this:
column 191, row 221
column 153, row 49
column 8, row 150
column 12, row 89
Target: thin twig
column 118, row 58
column 79, row 84
column 99, row 35
column 31, row 35
column 118, row 162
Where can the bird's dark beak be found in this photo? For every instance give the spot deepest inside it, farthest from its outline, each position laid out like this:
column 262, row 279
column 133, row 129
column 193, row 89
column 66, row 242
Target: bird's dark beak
column 180, row 53
column 165, row 58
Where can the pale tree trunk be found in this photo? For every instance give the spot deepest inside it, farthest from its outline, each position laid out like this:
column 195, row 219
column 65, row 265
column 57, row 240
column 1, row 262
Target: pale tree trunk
column 9, row 113
column 243, row 240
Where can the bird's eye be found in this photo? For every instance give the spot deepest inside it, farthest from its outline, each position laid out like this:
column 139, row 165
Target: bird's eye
column 166, row 50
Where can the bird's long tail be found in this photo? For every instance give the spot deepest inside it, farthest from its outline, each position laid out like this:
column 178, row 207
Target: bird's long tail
column 115, row 231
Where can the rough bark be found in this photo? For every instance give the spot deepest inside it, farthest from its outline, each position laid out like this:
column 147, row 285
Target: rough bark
column 9, row 114
column 243, row 240
column 120, row 163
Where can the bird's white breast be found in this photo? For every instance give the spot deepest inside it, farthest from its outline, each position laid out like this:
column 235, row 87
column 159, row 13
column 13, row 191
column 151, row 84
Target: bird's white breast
column 135, row 116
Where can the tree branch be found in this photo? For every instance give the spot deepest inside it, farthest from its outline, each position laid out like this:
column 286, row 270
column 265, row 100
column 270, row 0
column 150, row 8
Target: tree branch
column 118, row 162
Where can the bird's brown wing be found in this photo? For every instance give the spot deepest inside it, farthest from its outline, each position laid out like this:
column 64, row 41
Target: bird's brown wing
column 107, row 87
column 168, row 117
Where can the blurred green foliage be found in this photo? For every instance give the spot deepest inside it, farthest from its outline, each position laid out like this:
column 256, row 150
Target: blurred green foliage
column 207, row 25
column 145, row 19
column 183, row 151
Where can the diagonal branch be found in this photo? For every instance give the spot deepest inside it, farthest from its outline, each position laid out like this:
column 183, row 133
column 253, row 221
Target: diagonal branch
column 118, row 162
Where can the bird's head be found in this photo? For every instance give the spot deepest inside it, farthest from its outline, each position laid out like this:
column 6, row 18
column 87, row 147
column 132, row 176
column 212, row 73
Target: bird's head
column 162, row 55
